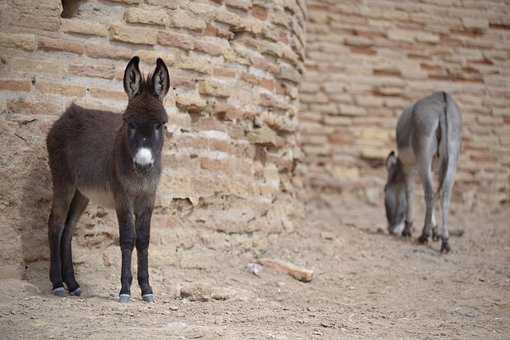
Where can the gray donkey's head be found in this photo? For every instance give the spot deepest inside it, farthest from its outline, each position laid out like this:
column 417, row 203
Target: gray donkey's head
column 395, row 200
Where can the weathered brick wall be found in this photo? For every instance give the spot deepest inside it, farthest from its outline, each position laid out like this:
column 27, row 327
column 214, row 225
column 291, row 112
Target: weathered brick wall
column 368, row 59
column 235, row 66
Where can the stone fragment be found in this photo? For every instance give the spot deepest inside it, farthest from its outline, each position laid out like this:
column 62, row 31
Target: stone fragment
column 298, row 273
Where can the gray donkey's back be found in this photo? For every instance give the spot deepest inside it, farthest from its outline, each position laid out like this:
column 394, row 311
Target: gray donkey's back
column 428, row 132
column 434, row 121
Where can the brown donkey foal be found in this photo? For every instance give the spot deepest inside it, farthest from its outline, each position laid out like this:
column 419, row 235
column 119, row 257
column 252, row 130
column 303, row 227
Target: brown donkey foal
column 115, row 160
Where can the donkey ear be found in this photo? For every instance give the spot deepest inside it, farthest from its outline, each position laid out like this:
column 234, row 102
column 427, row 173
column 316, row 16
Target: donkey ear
column 133, row 80
column 391, row 160
column 160, row 80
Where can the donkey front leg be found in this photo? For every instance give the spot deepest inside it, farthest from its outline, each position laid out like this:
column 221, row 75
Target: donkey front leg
column 127, row 243
column 143, row 228
column 410, row 180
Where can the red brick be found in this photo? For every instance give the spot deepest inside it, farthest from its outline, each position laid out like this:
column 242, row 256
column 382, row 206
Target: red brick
column 183, row 19
column 183, row 41
column 108, row 51
column 146, row 16
column 84, row 27
column 210, row 47
column 94, row 71
column 108, row 94
column 224, row 72
column 133, row 35
column 15, row 85
column 49, row 44
column 214, row 30
column 60, row 89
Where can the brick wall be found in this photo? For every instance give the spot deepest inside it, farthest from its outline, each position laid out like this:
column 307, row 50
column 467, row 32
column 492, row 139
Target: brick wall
column 368, row 59
column 235, row 66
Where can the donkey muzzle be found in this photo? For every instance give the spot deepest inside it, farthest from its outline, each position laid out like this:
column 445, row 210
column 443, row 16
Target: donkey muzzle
column 143, row 159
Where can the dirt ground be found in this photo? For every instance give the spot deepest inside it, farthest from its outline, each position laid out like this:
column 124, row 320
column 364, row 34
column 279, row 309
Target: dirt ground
column 366, row 284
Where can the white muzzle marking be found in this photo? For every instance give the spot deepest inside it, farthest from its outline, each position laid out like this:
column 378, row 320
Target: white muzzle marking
column 144, row 157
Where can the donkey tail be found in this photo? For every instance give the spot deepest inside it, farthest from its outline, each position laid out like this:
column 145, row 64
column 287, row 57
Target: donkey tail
column 443, row 144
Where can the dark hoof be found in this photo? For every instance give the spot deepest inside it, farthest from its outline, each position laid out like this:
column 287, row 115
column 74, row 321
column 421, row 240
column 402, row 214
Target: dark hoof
column 407, row 232
column 124, row 298
column 148, row 297
column 423, row 239
column 76, row 292
column 60, row 291
column 445, row 247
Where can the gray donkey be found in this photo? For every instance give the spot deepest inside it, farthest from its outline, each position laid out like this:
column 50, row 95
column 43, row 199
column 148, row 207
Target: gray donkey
column 428, row 132
column 115, row 160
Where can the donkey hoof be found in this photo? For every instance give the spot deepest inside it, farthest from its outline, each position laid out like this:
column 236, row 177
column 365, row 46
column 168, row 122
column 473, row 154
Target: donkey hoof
column 124, row 298
column 406, row 233
column 76, row 292
column 423, row 239
column 60, row 291
column 445, row 247
column 148, row 297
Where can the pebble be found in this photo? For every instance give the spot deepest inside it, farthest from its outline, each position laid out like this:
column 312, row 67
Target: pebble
column 327, row 324
column 254, row 268
column 327, row 235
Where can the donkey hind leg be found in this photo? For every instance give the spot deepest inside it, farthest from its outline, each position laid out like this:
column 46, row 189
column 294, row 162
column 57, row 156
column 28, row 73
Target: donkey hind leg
column 435, row 232
column 56, row 225
column 425, row 170
column 78, row 205
column 445, row 207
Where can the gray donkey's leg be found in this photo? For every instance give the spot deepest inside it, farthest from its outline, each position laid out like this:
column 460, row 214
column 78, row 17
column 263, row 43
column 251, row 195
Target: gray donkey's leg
column 445, row 206
column 410, row 187
column 424, row 157
column 435, row 233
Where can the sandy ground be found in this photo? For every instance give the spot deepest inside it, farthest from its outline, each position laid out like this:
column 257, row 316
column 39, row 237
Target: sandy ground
column 366, row 284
